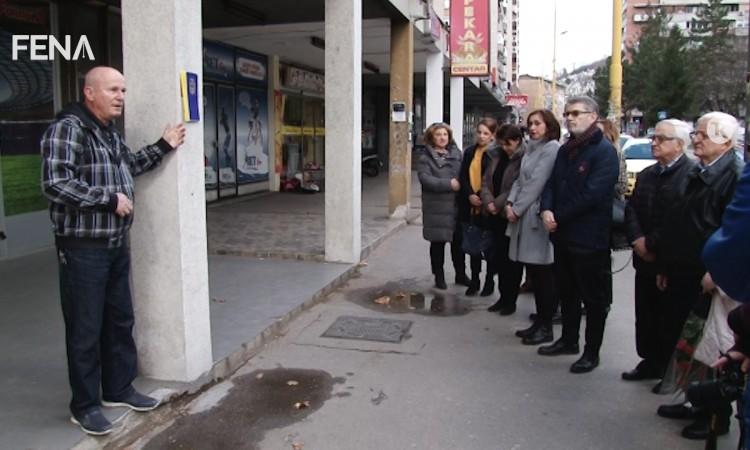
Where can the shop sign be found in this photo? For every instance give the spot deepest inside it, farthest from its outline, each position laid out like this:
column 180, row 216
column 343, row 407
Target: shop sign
column 218, row 62
column 251, row 67
column 23, row 13
column 303, row 80
column 519, row 100
column 469, row 38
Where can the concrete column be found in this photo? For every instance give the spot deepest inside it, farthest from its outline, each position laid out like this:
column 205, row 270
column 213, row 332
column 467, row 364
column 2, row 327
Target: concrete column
column 276, row 139
column 169, row 257
column 457, row 109
column 399, row 160
column 343, row 115
column 434, row 88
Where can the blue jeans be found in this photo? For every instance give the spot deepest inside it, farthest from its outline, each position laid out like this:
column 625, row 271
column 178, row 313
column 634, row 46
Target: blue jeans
column 98, row 313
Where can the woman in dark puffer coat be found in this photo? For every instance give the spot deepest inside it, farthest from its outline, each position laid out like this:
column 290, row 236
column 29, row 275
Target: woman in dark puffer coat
column 438, row 170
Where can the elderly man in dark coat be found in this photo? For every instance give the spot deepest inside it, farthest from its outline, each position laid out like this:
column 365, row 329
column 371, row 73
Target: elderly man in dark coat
column 658, row 187
column 680, row 270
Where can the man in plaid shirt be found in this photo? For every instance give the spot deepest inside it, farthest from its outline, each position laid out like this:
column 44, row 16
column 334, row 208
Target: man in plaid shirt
column 87, row 175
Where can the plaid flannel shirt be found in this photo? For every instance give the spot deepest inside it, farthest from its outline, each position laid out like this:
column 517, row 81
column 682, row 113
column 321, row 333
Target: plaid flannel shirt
column 84, row 166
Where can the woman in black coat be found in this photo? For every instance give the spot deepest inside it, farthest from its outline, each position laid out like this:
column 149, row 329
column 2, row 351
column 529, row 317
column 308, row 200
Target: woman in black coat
column 438, row 169
column 476, row 159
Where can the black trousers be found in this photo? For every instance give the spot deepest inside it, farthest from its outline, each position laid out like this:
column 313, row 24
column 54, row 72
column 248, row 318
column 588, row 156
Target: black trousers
column 437, row 255
column 98, row 313
column 683, row 294
column 583, row 275
column 509, row 272
column 649, row 309
column 545, row 291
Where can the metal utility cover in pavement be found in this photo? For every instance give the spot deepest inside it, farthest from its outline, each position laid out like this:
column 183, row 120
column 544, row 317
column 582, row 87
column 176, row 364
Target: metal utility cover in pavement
column 368, row 329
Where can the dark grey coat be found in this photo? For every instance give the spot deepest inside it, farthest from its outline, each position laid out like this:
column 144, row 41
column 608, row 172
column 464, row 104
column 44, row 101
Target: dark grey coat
column 438, row 199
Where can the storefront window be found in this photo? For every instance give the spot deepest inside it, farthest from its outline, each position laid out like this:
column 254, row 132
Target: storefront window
column 26, row 109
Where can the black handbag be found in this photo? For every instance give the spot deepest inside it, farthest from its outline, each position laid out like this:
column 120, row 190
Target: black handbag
column 476, row 241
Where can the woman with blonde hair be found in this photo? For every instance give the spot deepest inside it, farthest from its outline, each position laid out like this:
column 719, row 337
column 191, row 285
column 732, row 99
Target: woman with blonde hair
column 476, row 159
column 438, row 171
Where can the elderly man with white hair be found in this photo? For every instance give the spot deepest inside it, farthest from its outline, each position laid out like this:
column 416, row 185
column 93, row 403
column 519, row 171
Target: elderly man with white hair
column 690, row 222
column 657, row 188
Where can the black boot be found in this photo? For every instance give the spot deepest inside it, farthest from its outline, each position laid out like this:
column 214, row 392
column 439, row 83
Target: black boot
column 699, row 430
column 473, row 286
column 489, row 286
column 526, row 332
column 496, row 306
column 440, row 280
column 540, row 336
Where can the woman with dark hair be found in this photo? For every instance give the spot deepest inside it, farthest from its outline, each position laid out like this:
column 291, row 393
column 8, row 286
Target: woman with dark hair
column 476, row 159
column 529, row 239
column 498, row 180
column 438, row 169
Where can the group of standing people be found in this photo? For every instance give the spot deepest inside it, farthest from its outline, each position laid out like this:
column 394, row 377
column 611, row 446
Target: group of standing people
column 549, row 209
column 677, row 204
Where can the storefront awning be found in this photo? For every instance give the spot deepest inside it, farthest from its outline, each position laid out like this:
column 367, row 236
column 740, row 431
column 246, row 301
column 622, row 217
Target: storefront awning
column 482, row 97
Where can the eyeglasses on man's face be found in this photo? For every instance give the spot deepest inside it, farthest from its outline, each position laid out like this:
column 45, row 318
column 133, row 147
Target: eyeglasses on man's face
column 698, row 134
column 659, row 138
column 575, row 113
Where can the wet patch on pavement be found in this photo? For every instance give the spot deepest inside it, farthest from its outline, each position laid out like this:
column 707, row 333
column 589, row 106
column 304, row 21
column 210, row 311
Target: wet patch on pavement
column 409, row 296
column 259, row 401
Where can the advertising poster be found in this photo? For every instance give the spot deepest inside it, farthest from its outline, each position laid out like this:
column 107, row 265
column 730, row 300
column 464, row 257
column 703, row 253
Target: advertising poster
column 218, row 62
column 226, row 142
column 469, row 38
column 252, row 135
column 210, row 146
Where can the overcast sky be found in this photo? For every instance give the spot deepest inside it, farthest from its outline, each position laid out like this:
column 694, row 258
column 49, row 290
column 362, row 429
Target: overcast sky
column 588, row 34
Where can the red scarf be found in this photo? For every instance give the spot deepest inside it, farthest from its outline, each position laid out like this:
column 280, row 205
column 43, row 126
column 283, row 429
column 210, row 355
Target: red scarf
column 576, row 142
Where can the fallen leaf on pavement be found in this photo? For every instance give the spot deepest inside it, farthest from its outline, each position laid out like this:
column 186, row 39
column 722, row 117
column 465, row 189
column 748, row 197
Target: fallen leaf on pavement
column 297, row 445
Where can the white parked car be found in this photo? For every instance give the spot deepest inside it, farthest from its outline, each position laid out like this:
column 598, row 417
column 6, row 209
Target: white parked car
column 637, row 153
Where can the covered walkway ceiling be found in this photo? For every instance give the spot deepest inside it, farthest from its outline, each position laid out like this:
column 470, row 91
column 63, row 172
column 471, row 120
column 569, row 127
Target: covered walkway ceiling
column 294, row 43
column 237, row 13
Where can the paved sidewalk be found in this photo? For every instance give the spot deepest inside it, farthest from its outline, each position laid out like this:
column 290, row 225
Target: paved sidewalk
column 291, row 225
column 251, row 299
column 459, row 380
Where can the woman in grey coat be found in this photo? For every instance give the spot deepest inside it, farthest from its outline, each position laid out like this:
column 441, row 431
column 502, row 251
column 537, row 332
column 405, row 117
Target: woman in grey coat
column 529, row 240
column 438, row 170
